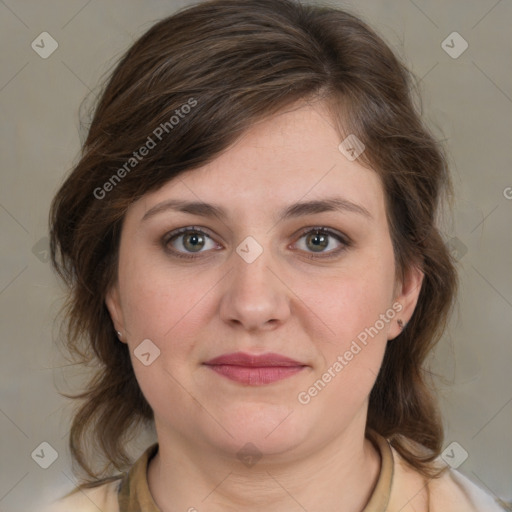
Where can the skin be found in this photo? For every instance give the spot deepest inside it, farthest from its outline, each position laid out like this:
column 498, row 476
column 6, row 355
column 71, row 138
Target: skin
column 314, row 455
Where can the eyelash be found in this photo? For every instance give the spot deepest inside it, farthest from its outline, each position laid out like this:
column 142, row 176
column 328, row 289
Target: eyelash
column 318, row 230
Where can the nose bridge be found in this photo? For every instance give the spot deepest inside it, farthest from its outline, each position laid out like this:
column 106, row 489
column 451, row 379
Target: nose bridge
column 252, row 263
column 254, row 295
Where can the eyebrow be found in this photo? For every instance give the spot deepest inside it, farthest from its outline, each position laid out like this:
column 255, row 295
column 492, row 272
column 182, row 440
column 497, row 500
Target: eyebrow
column 329, row 204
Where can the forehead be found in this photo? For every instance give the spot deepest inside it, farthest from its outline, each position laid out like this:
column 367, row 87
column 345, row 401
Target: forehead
column 290, row 157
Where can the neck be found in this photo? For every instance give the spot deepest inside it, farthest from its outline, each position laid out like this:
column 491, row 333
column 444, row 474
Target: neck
column 340, row 475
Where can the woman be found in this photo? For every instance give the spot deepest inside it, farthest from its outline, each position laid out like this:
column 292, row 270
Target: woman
column 255, row 269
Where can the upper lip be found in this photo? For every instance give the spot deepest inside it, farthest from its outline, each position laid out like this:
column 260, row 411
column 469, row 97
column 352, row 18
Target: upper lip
column 243, row 359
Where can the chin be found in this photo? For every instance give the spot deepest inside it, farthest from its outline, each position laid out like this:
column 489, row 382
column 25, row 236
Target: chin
column 273, row 429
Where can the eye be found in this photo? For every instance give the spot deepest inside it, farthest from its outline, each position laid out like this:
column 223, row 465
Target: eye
column 190, row 238
column 317, row 239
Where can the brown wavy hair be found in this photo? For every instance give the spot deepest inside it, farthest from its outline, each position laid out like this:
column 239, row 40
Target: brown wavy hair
column 241, row 61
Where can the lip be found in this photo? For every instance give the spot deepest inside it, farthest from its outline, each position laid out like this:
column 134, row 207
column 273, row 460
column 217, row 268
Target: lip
column 253, row 369
column 255, row 360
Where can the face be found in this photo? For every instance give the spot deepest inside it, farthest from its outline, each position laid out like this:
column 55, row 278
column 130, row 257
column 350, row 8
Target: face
column 193, row 286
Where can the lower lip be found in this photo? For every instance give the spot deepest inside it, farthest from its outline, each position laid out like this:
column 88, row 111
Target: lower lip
column 255, row 376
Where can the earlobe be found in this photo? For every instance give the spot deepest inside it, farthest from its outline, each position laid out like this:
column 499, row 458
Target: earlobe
column 114, row 308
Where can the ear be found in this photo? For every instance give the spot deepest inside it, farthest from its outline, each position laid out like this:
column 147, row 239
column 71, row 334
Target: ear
column 406, row 294
column 113, row 304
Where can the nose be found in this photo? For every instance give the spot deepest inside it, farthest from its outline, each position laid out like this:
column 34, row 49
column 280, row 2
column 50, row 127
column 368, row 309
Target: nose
column 255, row 296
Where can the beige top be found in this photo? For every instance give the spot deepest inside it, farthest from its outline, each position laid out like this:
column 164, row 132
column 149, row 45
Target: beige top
column 398, row 489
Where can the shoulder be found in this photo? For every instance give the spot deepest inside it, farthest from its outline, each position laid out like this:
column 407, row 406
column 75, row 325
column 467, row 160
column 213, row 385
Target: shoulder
column 454, row 487
column 103, row 497
column 451, row 491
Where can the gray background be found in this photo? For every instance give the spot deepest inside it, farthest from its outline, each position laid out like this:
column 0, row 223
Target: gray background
column 468, row 101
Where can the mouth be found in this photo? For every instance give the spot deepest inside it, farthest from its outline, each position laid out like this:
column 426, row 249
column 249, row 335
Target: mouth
column 255, row 370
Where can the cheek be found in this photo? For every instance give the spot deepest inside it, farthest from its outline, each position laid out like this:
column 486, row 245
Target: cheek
column 160, row 306
column 356, row 306
column 155, row 299
column 354, row 299
column 351, row 357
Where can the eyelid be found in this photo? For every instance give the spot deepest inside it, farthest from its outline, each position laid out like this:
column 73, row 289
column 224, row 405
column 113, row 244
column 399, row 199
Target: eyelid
column 341, row 237
column 344, row 238
column 175, row 233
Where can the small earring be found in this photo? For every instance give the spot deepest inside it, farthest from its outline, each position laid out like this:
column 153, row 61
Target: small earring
column 119, row 334
column 400, row 323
